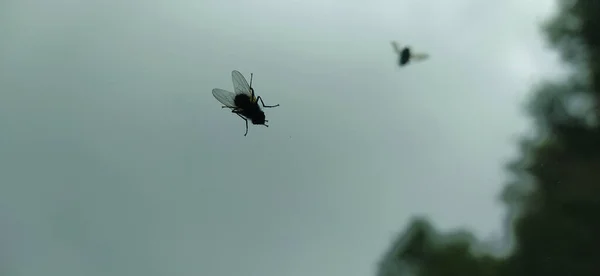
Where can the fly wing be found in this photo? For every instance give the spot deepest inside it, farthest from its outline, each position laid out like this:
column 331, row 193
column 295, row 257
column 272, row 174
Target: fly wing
column 225, row 97
column 240, row 85
column 419, row 56
column 396, row 47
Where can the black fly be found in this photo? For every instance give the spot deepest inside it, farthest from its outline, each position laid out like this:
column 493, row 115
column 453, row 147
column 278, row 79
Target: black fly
column 243, row 102
column 406, row 55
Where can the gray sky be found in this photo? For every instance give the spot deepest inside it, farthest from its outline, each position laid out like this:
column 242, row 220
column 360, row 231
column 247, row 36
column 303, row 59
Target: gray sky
column 115, row 159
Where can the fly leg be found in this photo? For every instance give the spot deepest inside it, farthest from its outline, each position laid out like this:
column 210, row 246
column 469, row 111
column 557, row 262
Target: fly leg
column 246, row 120
column 263, row 103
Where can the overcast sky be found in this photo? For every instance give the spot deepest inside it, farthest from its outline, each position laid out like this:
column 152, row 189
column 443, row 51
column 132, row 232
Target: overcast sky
column 115, row 159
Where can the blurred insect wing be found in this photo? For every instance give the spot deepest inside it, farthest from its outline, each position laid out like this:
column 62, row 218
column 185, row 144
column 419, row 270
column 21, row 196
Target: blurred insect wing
column 240, row 85
column 396, row 47
column 225, row 97
column 419, row 56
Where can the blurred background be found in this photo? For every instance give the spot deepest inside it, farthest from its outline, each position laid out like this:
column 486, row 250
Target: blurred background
column 115, row 158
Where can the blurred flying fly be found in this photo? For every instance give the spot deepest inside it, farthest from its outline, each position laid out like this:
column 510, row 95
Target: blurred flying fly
column 406, row 55
column 243, row 102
